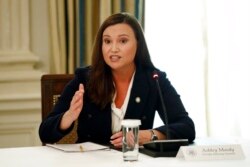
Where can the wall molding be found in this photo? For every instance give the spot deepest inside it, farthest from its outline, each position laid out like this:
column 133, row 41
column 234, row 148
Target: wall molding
column 22, row 46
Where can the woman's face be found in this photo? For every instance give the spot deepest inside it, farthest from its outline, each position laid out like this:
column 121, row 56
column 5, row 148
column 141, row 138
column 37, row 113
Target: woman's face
column 119, row 46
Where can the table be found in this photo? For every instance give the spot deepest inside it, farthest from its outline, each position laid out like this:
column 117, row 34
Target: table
column 50, row 157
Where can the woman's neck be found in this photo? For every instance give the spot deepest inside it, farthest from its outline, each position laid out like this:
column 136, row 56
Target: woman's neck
column 122, row 81
column 123, row 76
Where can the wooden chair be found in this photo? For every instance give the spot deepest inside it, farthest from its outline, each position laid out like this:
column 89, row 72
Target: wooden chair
column 51, row 87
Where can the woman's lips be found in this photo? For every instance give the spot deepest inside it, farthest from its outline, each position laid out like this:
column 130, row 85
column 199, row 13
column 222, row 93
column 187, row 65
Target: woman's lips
column 114, row 57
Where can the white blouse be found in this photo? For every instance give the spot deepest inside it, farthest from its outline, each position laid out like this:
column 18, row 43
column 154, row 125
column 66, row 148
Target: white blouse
column 119, row 113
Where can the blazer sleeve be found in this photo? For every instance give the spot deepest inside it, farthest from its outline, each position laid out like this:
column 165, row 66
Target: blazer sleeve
column 49, row 131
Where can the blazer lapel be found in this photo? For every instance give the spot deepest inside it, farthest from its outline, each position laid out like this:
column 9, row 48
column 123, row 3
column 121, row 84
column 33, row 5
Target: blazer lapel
column 138, row 96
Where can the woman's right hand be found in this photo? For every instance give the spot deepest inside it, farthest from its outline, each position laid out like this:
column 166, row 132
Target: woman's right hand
column 75, row 109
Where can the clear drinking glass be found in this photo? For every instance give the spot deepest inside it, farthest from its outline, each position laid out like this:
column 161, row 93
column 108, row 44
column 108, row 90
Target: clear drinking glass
column 130, row 140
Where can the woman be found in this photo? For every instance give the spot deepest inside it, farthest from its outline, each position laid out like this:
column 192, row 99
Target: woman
column 118, row 85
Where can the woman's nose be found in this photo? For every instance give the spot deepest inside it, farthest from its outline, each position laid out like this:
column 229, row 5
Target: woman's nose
column 114, row 47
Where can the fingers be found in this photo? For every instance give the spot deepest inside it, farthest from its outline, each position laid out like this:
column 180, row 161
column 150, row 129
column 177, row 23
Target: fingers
column 81, row 88
column 116, row 135
column 78, row 97
column 130, row 139
column 116, row 139
column 77, row 102
column 74, row 110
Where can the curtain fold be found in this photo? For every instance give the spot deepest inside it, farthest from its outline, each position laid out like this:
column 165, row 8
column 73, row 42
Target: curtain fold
column 74, row 24
column 72, row 32
column 58, row 38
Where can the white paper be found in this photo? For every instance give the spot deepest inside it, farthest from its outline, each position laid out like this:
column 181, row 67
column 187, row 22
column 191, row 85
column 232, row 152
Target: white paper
column 79, row 147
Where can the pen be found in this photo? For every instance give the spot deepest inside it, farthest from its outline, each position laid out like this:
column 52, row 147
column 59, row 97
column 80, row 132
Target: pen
column 81, row 148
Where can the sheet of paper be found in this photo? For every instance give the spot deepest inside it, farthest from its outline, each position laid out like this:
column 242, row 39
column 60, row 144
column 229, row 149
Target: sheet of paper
column 79, row 147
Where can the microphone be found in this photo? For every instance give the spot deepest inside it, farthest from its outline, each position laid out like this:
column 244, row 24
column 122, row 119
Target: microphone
column 163, row 148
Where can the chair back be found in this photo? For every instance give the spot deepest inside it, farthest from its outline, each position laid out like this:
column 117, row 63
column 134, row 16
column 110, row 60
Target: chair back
column 51, row 87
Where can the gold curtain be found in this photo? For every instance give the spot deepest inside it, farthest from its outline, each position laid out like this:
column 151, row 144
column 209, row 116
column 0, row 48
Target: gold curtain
column 74, row 24
column 58, row 38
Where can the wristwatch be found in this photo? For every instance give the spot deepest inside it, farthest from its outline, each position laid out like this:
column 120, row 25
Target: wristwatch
column 153, row 136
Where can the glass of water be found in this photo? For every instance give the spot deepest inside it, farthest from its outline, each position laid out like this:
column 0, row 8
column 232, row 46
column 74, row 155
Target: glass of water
column 130, row 139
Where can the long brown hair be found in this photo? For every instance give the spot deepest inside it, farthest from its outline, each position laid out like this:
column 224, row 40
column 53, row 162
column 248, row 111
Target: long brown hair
column 100, row 85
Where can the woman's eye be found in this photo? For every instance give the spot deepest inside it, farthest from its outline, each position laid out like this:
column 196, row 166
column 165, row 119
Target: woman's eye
column 124, row 41
column 106, row 41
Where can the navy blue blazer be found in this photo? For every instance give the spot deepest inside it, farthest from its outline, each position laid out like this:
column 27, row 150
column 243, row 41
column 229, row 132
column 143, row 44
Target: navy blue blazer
column 95, row 124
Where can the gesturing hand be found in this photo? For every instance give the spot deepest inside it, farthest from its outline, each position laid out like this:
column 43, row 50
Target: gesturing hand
column 74, row 110
column 76, row 103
